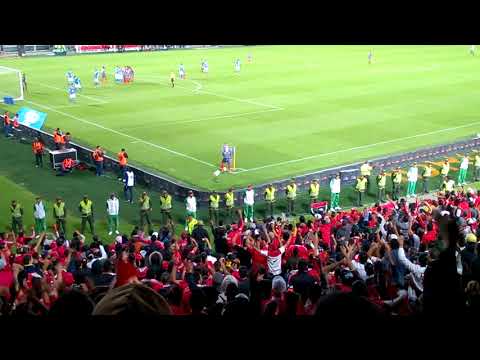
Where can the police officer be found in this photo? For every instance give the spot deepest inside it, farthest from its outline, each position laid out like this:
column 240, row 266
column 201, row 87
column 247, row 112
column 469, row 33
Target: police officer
column 291, row 192
column 86, row 211
column 314, row 190
column 60, row 214
column 165, row 206
column 145, row 209
column 16, row 210
column 214, row 204
column 360, row 188
column 396, row 182
column 269, row 196
column 381, row 184
column 366, row 171
column 229, row 204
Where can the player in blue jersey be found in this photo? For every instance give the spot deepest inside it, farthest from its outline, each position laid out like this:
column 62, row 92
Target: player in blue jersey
column 181, row 72
column 118, row 75
column 370, row 56
column 227, row 154
column 96, row 77
column 237, row 65
column 77, row 83
column 72, row 93
column 103, row 74
column 205, row 66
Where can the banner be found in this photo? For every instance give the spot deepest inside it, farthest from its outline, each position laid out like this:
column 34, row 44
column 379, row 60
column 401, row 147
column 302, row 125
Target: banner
column 105, row 48
column 31, row 118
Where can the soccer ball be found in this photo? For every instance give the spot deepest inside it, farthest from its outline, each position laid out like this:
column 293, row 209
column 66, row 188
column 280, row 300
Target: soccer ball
column 216, row 173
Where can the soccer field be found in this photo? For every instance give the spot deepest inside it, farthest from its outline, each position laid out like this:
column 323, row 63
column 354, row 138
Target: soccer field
column 294, row 110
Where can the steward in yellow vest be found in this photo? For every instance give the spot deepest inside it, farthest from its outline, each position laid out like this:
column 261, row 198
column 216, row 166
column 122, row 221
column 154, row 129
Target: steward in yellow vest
column 314, row 190
column 360, row 187
column 145, row 209
column 229, row 203
column 396, row 182
column 17, row 216
column 86, row 211
column 291, row 192
column 165, row 206
column 214, row 202
column 270, row 198
column 381, row 184
column 426, row 175
column 60, row 214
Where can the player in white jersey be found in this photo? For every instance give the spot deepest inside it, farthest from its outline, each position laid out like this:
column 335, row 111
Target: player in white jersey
column 70, row 77
column 237, row 65
column 472, row 50
column 96, row 77
column 181, row 72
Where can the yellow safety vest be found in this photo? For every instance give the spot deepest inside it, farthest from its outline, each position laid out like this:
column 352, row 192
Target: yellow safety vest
column 229, row 199
column 86, row 207
column 365, row 170
column 270, row 194
column 448, row 185
column 477, row 161
column 314, row 190
column 165, row 202
column 191, row 225
column 145, row 203
column 381, row 181
column 59, row 210
column 361, row 184
column 427, row 172
column 445, row 169
column 16, row 211
column 397, row 177
column 292, row 191
column 214, row 201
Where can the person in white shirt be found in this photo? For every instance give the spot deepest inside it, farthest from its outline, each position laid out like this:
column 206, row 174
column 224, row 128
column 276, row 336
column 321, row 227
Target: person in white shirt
column 129, row 182
column 335, row 184
column 462, row 174
column 113, row 208
column 39, row 215
column 191, row 205
column 412, row 176
column 248, row 202
column 417, row 270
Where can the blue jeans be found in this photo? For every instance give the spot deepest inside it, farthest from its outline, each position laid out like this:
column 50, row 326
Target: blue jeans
column 6, row 130
column 99, row 168
column 128, row 193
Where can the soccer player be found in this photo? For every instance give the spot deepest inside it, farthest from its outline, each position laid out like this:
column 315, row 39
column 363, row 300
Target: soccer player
column 118, row 75
column 72, row 93
column 370, row 56
column 205, row 66
column 96, row 78
column 472, row 50
column 103, row 75
column 181, row 72
column 172, row 78
column 226, row 158
column 24, row 82
column 237, row 65
column 70, row 77
column 77, row 83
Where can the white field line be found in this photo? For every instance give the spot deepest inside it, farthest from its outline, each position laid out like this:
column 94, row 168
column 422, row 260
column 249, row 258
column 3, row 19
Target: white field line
column 361, row 147
column 149, row 77
column 122, row 134
column 159, row 124
column 79, row 94
column 199, row 86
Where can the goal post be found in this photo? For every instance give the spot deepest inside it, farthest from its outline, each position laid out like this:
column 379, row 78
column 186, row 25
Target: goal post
column 11, row 83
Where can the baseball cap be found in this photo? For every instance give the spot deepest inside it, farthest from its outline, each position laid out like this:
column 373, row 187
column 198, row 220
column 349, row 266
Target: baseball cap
column 393, row 237
column 471, row 238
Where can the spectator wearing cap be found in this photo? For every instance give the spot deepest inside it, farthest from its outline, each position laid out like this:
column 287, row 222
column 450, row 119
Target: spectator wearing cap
column 113, row 208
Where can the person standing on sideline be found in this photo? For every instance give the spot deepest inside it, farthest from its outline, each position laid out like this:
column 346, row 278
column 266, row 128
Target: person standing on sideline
column 335, row 185
column 165, row 206
column 97, row 156
column 360, row 188
column 145, row 209
column 313, row 191
column 129, row 183
column 16, row 210
column 60, row 214
column 445, row 168
column 122, row 161
column 191, row 205
column 7, row 124
column 86, row 211
column 426, row 175
column 214, row 204
column 113, row 208
column 381, row 184
column 366, row 171
column 412, row 177
column 462, row 174
column 39, row 214
column 229, row 204
column 396, row 183
column 66, row 140
column 269, row 196
column 57, row 138
column 248, row 202
column 477, row 166
column 37, row 147
column 291, row 192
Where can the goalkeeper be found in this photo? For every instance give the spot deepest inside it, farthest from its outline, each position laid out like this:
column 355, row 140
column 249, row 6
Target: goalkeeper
column 227, row 153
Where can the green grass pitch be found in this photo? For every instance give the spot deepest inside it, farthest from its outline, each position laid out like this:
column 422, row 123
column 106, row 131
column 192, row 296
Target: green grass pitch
column 294, row 110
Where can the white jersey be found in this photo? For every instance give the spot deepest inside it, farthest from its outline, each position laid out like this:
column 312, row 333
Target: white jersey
column 335, row 185
column 130, row 178
column 191, row 204
column 464, row 164
column 249, row 198
column 412, row 174
column 39, row 212
column 113, row 206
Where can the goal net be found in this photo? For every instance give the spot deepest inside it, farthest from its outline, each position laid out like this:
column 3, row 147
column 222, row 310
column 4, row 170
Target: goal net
column 11, row 83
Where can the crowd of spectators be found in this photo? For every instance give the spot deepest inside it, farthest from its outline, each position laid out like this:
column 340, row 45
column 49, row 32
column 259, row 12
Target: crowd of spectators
column 396, row 259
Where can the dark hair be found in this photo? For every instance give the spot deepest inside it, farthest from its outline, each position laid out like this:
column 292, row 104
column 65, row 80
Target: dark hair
column 72, row 303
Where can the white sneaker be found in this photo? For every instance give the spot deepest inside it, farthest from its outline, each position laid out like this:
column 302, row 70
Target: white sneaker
column 110, row 233
column 116, row 232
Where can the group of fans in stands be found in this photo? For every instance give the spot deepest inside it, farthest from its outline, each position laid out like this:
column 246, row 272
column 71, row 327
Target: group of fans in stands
column 394, row 259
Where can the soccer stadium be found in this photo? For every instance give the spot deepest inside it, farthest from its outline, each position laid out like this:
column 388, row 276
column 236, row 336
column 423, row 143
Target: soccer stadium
column 233, row 180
